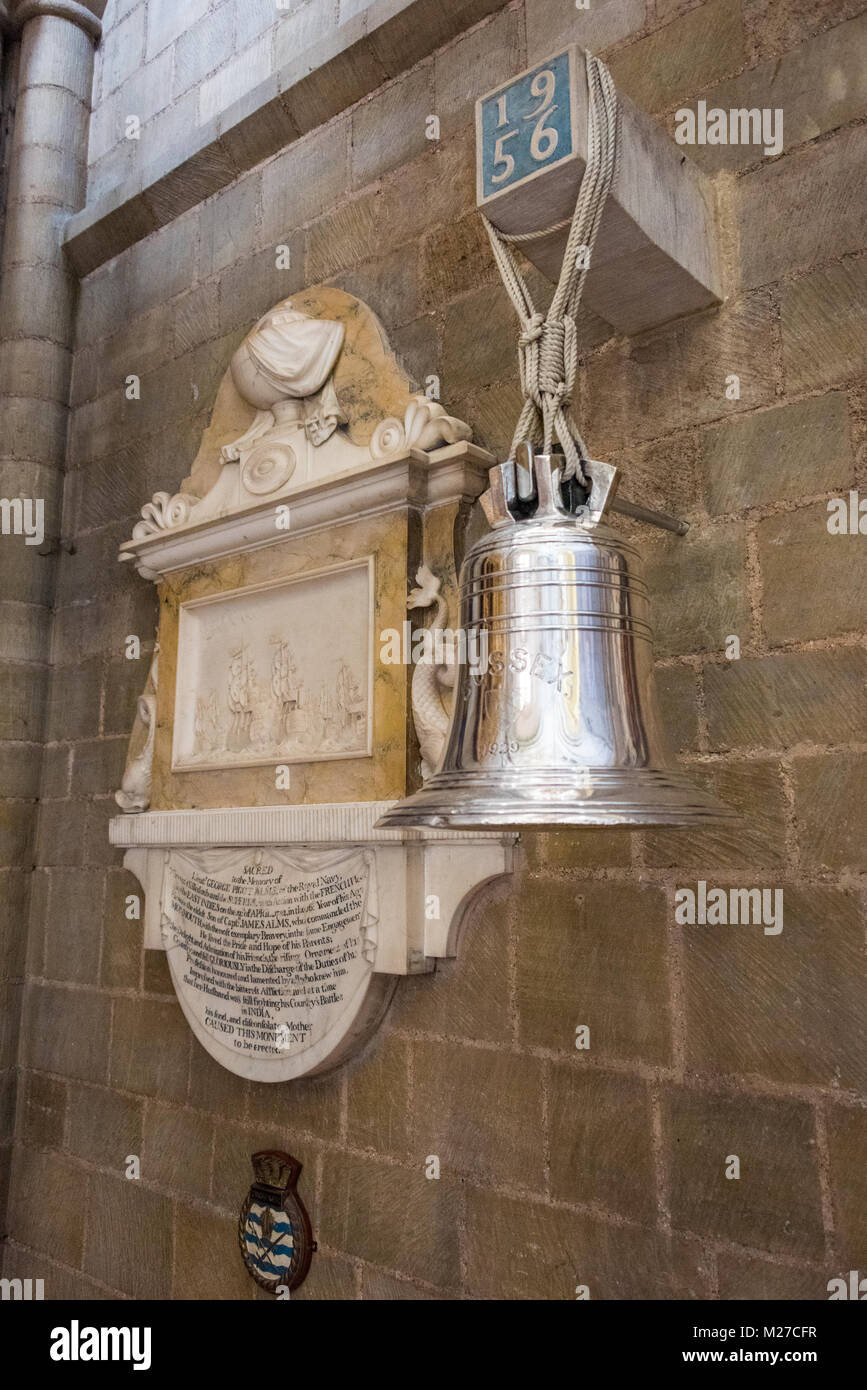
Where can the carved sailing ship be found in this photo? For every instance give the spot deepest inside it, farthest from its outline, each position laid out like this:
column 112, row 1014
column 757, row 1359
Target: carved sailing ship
column 209, row 731
column 288, row 692
column 351, row 704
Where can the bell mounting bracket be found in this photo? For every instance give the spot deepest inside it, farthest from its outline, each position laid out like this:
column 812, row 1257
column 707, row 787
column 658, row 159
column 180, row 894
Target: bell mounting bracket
column 531, row 485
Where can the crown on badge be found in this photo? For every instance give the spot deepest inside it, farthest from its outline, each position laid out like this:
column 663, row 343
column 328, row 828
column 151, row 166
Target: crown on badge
column 275, row 1169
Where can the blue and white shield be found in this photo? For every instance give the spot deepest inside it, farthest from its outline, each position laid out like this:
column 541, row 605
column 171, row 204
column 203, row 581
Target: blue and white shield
column 268, row 1240
column 274, row 1230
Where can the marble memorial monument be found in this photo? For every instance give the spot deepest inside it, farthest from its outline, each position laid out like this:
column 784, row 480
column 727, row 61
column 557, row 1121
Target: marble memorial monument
column 270, row 734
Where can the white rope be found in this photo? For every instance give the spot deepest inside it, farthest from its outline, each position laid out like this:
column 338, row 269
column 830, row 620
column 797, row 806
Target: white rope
column 548, row 344
column 535, row 236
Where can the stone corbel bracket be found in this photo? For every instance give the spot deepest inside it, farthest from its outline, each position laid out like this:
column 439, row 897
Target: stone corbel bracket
column 424, row 883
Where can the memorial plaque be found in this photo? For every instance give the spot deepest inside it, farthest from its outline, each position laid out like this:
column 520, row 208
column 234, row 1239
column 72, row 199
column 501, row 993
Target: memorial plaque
column 272, row 954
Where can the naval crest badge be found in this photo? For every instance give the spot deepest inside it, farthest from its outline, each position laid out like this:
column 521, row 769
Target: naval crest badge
column 274, row 1230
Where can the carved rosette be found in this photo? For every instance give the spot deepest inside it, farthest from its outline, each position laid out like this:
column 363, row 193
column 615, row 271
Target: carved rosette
column 268, row 467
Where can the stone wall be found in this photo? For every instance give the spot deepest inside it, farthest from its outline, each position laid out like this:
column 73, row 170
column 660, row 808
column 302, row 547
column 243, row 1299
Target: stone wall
column 606, row 1166
column 176, row 66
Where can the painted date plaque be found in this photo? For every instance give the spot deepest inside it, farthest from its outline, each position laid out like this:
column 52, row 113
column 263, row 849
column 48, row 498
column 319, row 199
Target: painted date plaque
column 526, row 127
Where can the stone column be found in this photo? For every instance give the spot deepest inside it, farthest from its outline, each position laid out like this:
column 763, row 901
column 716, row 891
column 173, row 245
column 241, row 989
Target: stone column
column 8, row 51
column 52, row 44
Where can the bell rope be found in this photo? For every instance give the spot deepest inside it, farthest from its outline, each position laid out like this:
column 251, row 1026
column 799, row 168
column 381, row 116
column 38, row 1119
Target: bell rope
column 548, row 344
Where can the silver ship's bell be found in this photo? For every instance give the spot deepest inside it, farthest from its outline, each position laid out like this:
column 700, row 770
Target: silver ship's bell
column 561, row 726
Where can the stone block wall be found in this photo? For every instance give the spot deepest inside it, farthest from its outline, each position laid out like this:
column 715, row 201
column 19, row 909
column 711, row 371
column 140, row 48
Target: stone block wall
column 175, row 66
column 606, row 1166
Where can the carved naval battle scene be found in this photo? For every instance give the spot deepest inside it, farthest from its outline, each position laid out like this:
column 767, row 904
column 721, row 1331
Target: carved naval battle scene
column 256, row 684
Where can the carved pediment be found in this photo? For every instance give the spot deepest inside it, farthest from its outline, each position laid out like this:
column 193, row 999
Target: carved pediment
column 312, row 392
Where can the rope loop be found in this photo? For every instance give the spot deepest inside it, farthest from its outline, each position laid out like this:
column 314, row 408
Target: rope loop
column 553, row 367
column 548, row 345
column 532, row 329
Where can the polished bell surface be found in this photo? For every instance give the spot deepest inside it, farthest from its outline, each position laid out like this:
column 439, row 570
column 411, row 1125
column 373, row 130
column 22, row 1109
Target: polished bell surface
column 559, row 727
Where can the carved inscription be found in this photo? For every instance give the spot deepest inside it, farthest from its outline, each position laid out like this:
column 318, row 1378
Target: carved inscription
column 268, row 949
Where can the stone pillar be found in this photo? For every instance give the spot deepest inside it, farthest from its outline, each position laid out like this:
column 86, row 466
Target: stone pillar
column 52, row 44
column 8, row 52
